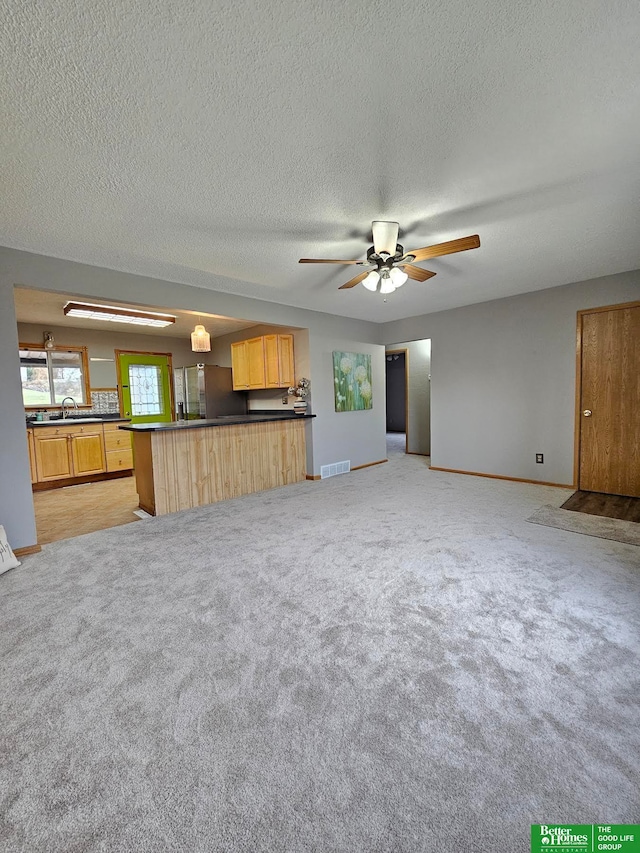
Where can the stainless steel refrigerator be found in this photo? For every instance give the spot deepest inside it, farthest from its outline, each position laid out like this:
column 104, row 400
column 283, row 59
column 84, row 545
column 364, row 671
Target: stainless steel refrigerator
column 207, row 392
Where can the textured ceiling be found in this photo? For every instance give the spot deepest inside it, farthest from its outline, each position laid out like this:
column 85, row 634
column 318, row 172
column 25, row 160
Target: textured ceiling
column 215, row 144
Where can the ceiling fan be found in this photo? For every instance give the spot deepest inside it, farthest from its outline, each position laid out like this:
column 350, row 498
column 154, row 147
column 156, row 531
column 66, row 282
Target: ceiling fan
column 388, row 267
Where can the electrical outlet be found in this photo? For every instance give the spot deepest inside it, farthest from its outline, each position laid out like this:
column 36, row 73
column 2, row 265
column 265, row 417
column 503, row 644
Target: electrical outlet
column 540, row 458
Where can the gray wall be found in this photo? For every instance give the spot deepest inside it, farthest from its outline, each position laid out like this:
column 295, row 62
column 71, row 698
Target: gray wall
column 102, row 374
column 338, row 436
column 503, row 378
column 358, row 436
column 418, row 395
column 16, row 501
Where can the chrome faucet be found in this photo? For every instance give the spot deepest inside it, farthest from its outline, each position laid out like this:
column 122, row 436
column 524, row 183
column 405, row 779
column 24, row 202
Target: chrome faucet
column 66, row 412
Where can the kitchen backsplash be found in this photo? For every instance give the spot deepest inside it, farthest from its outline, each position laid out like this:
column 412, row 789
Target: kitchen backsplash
column 105, row 402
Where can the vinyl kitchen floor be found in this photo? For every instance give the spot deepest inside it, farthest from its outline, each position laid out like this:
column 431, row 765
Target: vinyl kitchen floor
column 74, row 510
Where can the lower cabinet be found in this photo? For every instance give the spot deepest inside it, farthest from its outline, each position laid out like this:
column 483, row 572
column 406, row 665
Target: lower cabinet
column 69, row 451
column 87, row 454
column 53, row 459
column 118, row 448
column 32, row 456
column 65, row 452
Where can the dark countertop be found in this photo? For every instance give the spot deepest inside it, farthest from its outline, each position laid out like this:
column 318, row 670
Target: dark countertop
column 89, row 419
column 228, row 420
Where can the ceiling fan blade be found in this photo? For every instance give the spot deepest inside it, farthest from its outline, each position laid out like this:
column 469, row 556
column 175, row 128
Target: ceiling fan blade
column 385, row 237
column 449, row 248
column 352, row 282
column 325, row 261
column 417, row 273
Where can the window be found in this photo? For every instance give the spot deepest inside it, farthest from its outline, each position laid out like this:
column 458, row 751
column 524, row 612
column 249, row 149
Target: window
column 48, row 376
column 145, row 387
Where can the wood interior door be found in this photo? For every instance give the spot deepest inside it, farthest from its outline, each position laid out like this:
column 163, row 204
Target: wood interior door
column 609, row 415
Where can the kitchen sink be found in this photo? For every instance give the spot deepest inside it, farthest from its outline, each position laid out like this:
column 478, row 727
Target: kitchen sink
column 81, row 420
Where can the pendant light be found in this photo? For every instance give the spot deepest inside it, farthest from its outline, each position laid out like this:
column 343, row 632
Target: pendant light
column 200, row 339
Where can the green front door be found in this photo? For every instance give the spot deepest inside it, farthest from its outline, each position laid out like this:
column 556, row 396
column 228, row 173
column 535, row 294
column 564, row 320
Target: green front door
column 146, row 387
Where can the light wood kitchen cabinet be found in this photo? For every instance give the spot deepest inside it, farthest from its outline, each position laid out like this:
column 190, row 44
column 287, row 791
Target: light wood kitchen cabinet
column 61, row 452
column 53, row 459
column 87, row 453
column 68, row 451
column 247, row 364
column 32, row 456
column 117, row 445
column 264, row 362
column 278, row 361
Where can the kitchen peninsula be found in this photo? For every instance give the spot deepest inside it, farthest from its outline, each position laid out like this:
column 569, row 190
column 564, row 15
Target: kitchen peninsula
column 185, row 464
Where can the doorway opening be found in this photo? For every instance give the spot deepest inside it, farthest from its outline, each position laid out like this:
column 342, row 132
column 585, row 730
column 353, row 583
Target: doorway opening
column 397, row 399
column 408, row 385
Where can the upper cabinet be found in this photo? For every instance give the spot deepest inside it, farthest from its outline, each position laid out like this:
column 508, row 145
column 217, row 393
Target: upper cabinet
column 264, row 362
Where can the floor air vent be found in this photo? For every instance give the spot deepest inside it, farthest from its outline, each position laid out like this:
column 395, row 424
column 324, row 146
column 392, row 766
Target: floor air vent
column 335, row 468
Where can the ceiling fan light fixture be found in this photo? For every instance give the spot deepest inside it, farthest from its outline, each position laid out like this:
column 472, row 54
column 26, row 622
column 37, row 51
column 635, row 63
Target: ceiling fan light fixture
column 386, row 282
column 398, row 276
column 385, row 237
column 371, row 281
column 200, row 339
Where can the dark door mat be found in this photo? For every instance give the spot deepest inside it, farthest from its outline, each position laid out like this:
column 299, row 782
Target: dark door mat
column 609, row 506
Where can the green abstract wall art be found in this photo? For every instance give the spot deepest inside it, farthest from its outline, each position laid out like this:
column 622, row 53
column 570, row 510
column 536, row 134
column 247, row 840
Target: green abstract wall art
column 352, row 381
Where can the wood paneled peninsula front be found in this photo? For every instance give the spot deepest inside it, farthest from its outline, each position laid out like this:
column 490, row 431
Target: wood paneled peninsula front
column 185, row 464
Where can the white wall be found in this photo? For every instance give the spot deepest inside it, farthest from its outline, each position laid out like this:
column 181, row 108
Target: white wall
column 503, row 378
column 358, row 436
column 418, row 361
column 16, row 501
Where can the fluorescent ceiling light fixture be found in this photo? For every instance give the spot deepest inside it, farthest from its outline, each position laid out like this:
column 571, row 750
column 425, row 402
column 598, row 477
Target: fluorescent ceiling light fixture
column 110, row 313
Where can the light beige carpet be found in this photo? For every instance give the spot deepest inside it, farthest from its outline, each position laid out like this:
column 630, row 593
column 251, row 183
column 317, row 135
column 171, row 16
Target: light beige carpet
column 589, row 525
column 387, row 661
